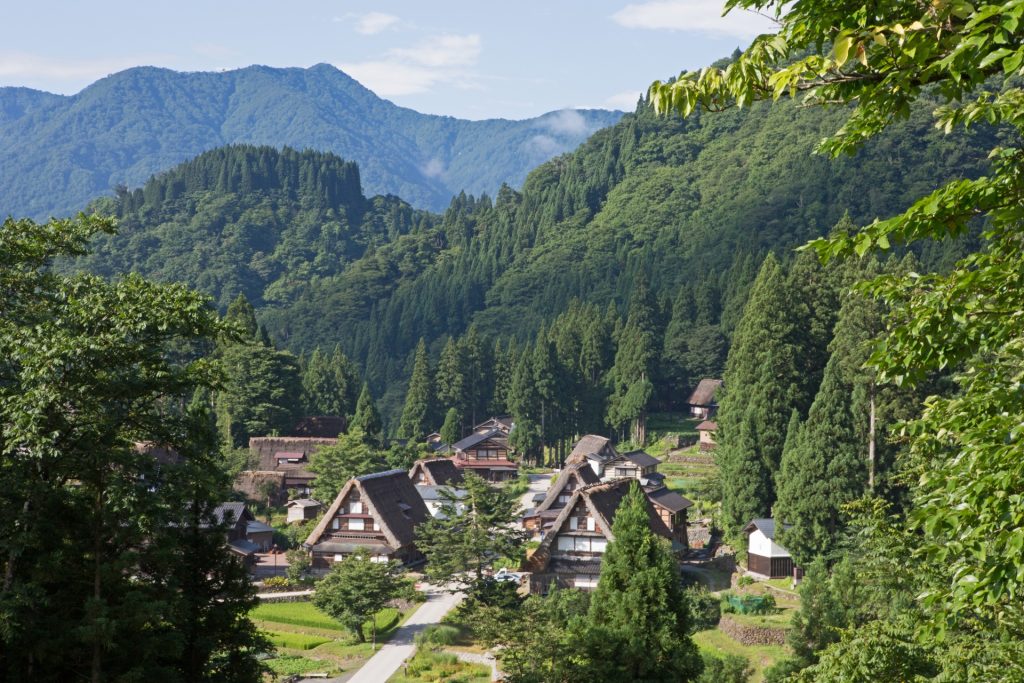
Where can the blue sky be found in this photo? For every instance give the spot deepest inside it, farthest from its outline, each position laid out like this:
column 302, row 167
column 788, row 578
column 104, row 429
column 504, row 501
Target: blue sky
column 467, row 59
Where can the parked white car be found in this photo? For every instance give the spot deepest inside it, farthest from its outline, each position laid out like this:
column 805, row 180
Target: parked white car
column 504, row 574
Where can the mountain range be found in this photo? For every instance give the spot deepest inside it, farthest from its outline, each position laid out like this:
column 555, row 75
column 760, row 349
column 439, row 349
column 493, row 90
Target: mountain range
column 58, row 152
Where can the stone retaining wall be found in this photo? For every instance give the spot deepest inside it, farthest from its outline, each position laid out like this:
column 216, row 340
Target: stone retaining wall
column 751, row 635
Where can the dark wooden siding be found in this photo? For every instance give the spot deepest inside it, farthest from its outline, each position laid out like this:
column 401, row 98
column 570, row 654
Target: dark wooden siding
column 772, row 567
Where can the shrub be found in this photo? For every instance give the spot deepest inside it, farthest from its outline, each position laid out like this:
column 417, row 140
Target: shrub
column 295, row 641
column 744, row 581
column 725, row 669
column 705, row 608
column 277, row 582
column 437, row 635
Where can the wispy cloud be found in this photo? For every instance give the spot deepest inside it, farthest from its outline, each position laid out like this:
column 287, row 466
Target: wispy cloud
column 565, row 122
column 626, row 100
column 442, row 50
column 26, row 67
column 441, row 59
column 698, row 16
column 375, row 22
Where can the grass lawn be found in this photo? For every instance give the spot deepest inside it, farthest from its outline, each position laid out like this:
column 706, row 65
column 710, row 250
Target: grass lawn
column 759, row 656
column 286, row 665
column 428, row 666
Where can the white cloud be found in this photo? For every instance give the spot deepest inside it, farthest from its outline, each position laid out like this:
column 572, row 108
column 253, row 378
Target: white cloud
column 375, row 22
column 626, row 100
column 29, row 66
column 443, row 50
column 442, row 59
column 698, row 16
column 433, row 168
column 544, row 145
column 565, row 122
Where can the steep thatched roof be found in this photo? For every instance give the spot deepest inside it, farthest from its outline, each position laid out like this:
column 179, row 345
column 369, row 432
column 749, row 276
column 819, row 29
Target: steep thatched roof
column 578, row 472
column 704, row 394
column 592, row 444
column 437, row 471
column 390, row 498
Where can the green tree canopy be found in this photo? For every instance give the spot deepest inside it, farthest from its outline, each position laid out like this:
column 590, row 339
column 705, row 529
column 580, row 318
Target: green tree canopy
column 357, row 588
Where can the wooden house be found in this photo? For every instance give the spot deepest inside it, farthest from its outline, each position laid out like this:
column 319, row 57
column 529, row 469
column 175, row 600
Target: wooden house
column 435, row 472
column 502, row 423
column 707, row 430
column 764, row 556
column 571, row 478
column 376, row 513
column 289, row 455
column 303, row 509
column 434, row 497
column 235, row 517
column 487, row 454
column 570, row 554
column 703, row 403
column 592, row 448
column 672, row 508
column 638, row 465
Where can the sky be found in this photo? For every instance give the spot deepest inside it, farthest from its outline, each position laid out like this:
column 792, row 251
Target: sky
column 462, row 58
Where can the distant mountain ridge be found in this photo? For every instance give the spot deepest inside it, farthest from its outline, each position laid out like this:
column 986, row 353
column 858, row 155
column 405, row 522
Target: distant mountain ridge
column 57, row 152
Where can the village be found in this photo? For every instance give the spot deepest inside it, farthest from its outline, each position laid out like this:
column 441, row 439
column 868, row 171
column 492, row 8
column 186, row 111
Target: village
column 564, row 516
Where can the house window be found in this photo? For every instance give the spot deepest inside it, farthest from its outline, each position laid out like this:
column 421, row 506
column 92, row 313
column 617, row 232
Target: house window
column 590, row 524
column 379, row 558
column 339, row 557
column 355, row 508
column 624, row 472
column 585, row 581
column 563, row 499
column 566, row 543
column 356, row 525
column 335, row 523
column 574, row 523
column 598, row 545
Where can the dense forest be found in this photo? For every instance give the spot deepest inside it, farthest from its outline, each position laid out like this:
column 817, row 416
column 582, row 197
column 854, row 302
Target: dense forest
column 58, row 152
column 690, row 207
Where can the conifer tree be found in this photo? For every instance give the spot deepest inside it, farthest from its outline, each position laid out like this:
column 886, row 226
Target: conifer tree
column 762, row 383
column 367, row 419
column 478, row 379
column 823, row 472
column 242, row 313
column 504, row 364
column 639, row 618
column 633, row 373
column 347, row 381
column 417, row 413
column 451, row 380
column 451, row 430
column 320, row 392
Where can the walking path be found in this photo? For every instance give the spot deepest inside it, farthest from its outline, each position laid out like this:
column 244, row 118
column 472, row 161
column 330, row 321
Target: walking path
column 402, row 644
column 538, row 484
column 286, row 594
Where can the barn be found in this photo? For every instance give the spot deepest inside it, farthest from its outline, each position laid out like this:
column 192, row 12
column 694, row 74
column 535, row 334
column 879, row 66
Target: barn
column 764, row 555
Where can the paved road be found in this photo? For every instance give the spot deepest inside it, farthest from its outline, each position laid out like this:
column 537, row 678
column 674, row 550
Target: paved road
column 538, row 484
column 401, row 645
column 287, row 594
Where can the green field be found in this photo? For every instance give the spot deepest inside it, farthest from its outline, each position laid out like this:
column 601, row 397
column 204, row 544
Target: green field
column 428, row 667
column 307, row 640
column 760, row 656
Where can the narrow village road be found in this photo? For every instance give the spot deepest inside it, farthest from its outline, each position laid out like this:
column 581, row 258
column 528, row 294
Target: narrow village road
column 538, row 484
column 401, row 646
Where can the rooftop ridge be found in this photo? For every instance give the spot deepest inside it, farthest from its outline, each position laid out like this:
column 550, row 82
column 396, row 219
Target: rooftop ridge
column 374, row 475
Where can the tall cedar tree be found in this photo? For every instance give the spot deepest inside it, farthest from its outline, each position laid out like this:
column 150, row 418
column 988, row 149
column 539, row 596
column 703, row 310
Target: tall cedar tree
column 113, row 567
column 470, row 533
column 417, row 415
column 346, row 378
column 762, row 383
column 321, row 394
column 366, row 419
column 451, row 430
column 524, row 403
column 639, row 619
column 633, row 373
column 451, row 380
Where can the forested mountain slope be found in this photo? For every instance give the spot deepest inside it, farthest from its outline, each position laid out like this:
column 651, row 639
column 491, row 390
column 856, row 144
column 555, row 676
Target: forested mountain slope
column 57, row 152
column 690, row 206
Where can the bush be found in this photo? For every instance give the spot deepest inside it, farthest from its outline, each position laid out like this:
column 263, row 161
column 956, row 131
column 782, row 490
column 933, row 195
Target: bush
column 299, row 564
column 276, row 582
column 295, row 641
column 725, row 669
column 744, row 581
column 519, row 486
column 705, row 608
column 437, row 635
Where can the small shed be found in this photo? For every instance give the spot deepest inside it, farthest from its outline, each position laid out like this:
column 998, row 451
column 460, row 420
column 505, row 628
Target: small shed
column 764, row 556
column 707, row 430
column 301, row 509
column 259, row 534
column 703, row 401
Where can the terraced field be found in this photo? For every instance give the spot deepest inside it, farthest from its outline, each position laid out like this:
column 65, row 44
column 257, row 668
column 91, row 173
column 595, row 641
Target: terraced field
column 307, row 640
